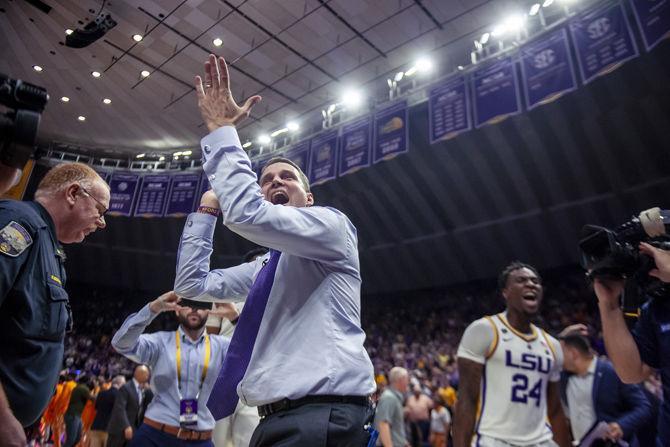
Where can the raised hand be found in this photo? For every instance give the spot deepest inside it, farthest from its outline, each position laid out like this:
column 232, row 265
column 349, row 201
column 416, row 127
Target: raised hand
column 662, row 260
column 166, row 302
column 215, row 101
column 225, row 310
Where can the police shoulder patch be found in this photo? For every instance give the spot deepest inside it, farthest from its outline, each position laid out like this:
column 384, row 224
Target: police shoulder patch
column 14, row 239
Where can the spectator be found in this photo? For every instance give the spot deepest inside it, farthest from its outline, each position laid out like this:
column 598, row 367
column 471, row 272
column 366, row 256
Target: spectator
column 440, row 424
column 125, row 417
column 81, row 394
column 389, row 419
column 418, row 408
column 103, row 407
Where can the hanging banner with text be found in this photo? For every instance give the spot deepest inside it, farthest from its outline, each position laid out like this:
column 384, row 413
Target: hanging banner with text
column 496, row 92
column 391, row 132
column 183, row 195
column 123, row 189
column 300, row 155
column 355, row 145
column 448, row 109
column 603, row 40
column 153, row 196
column 546, row 68
column 653, row 18
column 324, row 157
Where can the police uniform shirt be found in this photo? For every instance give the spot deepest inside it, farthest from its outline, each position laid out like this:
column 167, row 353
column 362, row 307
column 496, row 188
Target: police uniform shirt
column 652, row 337
column 34, row 308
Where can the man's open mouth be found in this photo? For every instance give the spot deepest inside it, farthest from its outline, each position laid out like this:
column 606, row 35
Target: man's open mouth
column 279, row 198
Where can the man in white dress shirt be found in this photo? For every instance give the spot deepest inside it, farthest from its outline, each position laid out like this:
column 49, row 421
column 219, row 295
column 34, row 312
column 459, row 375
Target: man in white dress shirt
column 308, row 373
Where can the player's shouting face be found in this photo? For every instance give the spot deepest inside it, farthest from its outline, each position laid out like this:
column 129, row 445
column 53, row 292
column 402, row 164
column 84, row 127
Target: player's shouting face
column 523, row 291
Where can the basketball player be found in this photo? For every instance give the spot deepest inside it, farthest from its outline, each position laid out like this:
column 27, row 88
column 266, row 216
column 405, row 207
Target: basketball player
column 509, row 373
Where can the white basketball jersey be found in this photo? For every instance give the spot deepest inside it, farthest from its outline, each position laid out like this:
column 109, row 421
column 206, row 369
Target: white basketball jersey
column 513, row 397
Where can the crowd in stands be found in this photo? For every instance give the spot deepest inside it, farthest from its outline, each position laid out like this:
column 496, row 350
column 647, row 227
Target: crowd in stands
column 419, row 331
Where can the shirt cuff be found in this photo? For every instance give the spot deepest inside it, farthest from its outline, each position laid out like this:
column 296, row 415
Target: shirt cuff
column 225, row 136
column 201, row 225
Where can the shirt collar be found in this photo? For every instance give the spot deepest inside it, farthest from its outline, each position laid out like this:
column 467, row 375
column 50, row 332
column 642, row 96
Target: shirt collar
column 592, row 366
column 188, row 339
column 47, row 218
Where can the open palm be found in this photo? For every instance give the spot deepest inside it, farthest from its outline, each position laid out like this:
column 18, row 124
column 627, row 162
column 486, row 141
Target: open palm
column 215, row 100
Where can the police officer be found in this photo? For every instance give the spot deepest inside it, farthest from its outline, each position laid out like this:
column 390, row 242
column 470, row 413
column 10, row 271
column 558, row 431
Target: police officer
column 70, row 203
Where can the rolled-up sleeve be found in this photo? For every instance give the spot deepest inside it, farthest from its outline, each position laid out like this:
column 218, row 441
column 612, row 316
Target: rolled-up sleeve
column 193, row 278
column 130, row 342
column 318, row 233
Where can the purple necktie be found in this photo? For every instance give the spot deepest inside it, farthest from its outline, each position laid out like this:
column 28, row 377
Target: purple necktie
column 223, row 399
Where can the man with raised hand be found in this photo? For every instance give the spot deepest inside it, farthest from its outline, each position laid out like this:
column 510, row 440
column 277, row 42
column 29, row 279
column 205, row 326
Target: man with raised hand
column 297, row 352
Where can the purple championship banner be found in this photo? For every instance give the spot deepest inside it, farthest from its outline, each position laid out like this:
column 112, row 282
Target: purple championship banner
column 496, row 92
column 324, row 157
column 391, row 132
column 653, row 18
column 123, row 189
column 355, row 144
column 448, row 109
column 300, row 154
column 546, row 68
column 153, row 196
column 183, row 195
column 603, row 40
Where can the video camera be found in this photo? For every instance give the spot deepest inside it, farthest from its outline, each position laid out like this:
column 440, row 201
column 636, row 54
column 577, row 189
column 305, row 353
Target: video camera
column 18, row 127
column 615, row 254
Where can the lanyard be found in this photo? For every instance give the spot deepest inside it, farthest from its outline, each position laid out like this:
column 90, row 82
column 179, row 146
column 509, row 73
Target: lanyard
column 208, row 354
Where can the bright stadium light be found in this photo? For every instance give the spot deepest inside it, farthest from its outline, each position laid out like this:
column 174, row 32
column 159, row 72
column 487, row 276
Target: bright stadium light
column 247, row 144
column 515, row 22
column 485, row 38
column 264, row 139
column 140, row 155
column 499, row 30
column 352, row 98
column 292, row 126
column 424, row 65
column 189, row 152
column 398, row 76
column 547, row 3
column 534, row 9
column 161, row 158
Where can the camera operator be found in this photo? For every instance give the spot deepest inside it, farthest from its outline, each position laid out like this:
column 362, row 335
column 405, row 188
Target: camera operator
column 70, row 203
column 648, row 346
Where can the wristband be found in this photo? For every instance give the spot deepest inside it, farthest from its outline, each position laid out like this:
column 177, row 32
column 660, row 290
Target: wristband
column 209, row 210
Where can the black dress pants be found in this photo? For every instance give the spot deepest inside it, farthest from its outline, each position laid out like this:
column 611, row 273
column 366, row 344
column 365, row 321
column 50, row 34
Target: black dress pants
column 315, row 425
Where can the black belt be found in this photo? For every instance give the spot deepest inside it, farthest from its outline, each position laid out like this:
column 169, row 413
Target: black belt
column 288, row 404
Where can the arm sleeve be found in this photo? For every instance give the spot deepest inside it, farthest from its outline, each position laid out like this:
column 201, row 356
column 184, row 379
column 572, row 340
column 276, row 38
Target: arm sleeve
column 130, row 342
column 316, row 233
column 384, row 411
column 11, row 266
column 193, row 278
column 638, row 409
column 477, row 342
column 645, row 337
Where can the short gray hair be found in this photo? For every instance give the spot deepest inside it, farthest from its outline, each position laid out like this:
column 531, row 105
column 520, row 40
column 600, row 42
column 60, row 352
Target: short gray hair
column 118, row 381
column 397, row 373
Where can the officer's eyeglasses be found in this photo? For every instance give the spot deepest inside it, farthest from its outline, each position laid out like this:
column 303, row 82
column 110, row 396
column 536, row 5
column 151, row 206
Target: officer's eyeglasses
column 103, row 209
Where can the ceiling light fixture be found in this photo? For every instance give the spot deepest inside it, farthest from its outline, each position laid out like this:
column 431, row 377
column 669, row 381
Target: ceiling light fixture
column 68, row 32
column 140, row 155
column 145, row 73
column 161, row 158
column 217, row 42
column 292, row 126
column 65, row 99
column 547, row 3
column 352, row 98
column 37, row 68
column 137, row 37
column 81, row 118
column 485, row 38
column 247, row 144
column 424, row 65
column 264, row 139
column 534, row 9
column 107, row 101
column 95, row 74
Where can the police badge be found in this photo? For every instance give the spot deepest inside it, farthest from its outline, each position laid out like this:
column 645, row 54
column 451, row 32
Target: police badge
column 14, row 239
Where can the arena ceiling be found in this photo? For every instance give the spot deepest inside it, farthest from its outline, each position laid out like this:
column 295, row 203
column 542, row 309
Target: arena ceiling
column 297, row 54
column 461, row 209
